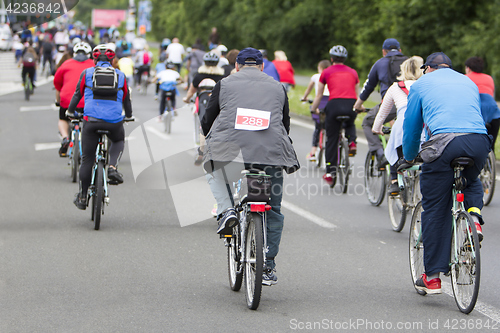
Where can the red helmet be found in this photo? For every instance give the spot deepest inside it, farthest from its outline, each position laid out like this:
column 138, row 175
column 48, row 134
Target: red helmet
column 104, row 52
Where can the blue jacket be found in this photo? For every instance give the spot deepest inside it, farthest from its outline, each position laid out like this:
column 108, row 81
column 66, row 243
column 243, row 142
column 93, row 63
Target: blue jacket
column 108, row 108
column 378, row 73
column 271, row 70
column 489, row 108
column 447, row 102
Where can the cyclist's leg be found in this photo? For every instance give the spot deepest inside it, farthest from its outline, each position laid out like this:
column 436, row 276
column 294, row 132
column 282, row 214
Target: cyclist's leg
column 217, row 181
column 117, row 142
column 493, row 130
column 31, row 73
column 350, row 127
column 173, row 99
column 23, row 73
column 89, row 144
column 63, row 126
column 332, row 127
column 374, row 143
column 163, row 98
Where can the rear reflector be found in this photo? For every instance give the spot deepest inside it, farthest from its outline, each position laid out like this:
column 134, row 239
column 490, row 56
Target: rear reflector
column 460, row 197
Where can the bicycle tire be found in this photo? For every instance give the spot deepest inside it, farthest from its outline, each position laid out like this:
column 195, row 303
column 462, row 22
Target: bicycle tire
column 416, row 247
column 397, row 205
column 27, row 90
column 234, row 268
column 466, row 267
column 144, row 85
column 375, row 180
column 167, row 117
column 99, row 195
column 343, row 165
column 320, row 152
column 197, row 129
column 254, row 264
column 488, row 178
column 75, row 158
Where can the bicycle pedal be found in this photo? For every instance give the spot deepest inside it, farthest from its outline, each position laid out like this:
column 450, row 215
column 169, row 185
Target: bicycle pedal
column 106, row 200
column 225, row 236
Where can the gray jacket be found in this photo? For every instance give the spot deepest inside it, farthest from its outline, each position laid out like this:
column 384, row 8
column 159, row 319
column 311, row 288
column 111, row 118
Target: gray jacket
column 250, row 89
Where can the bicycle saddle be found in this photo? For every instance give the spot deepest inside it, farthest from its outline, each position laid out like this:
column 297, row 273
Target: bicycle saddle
column 102, row 132
column 465, row 162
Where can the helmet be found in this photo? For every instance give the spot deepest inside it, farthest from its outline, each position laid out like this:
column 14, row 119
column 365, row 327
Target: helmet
column 170, row 65
column 82, row 47
column 221, row 48
column 264, row 52
column 165, row 42
column 163, row 57
column 338, row 51
column 210, row 58
column 104, row 52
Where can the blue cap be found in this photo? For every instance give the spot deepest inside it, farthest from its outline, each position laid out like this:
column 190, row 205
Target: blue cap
column 436, row 60
column 249, row 56
column 390, row 43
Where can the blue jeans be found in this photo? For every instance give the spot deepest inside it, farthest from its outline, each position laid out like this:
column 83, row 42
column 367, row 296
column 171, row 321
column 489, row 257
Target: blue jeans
column 275, row 219
column 436, row 182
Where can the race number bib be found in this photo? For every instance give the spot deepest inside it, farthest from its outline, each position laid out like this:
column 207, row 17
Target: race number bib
column 252, row 120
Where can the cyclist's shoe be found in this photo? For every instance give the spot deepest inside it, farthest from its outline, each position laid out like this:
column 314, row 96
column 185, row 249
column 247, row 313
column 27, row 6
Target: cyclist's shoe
column 156, row 97
column 330, row 179
column 114, row 176
column 63, row 151
column 311, row 157
column 393, row 189
column 479, row 230
column 352, row 149
column 429, row 287
column 268, row 277
column 382, row 162
column 80, row 201
column 227, row 221
column 198, row 160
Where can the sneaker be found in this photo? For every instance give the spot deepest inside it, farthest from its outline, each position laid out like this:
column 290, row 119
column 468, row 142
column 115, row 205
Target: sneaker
column 393, row 189
column 352, row 149
column 479, row 230
column 429, row 287
column 268, row 277
column 382, row 163
column 80, row 201
column 63, row 151
column 311, row 157
column 198, row 160
column 114, row 176
column 330, row 179
column 226, row 223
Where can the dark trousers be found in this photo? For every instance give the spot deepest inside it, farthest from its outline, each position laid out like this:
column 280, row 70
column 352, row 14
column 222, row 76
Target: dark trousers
column 90, row 139
column 338, row 107
column 163, row 100
column 436, row 182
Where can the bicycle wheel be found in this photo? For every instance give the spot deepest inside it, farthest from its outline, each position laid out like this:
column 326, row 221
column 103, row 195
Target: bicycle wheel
column 234, row 268
column 416, row 246
column 488, row 178
column 398, row 209
column 343, row 165
column 167, row 119
column 197, row 129
column 375, row 180
column 98, row 195
column 75, row 157
column 144, row 84
column 465, row 263
column 320, row 153
column 254, row 264
column 27, row 90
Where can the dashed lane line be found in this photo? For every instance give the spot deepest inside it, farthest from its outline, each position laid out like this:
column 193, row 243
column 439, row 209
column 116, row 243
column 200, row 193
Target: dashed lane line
column 308, row 215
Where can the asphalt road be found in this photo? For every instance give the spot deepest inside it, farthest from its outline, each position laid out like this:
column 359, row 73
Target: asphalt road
column 157, row 265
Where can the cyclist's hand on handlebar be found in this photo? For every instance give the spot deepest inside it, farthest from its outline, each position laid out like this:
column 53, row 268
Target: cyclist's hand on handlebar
column 185, row 100
column 128, row 119
column 377, row 132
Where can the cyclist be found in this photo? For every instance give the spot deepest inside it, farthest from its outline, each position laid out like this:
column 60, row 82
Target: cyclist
column 175, row 51
column 342, row 84
column 489, row 109
column 455, row 128
column 397, row 94
column 384, row 71
column 65, row 80
column 267, row 146
column 104, row 101
column 322, row 65
column 269, row 67
column 28, row 61
column 167, row 81
column 142, row 62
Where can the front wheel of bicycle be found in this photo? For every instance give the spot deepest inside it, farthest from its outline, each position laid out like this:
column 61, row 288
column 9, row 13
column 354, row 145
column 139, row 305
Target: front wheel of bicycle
column 167, row 117
column 27, row 88
column 98, row 195
column 398, row 209
column 465, row 263
column 343, row 165
column 234, row 260
column 416, row 246
column 375, row 180
column 487, row 176
column 254, row 264
column 197, row 129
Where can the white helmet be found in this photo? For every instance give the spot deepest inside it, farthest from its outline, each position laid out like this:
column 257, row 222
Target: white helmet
column 82, row 47
column 338, row 51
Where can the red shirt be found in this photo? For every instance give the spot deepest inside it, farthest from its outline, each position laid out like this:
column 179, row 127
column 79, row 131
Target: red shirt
column 341, row 80
column 67, row 77
column 285, row 70
column 484, row 82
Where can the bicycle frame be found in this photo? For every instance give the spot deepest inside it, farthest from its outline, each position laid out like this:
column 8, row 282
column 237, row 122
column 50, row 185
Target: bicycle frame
column 407, row 178
column 100, row 155
column 75, row 132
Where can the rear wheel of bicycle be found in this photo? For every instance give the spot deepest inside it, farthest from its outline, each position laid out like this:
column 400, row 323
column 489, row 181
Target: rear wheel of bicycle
column 197, row 129
column 398, row 209
column 487, row 176
column 144, row 84
column 235, row 270
column 254, row 254
column 343, row 166
column 167, row 117
column 375, row 180
column 416, row 246
column 98, row 195
column 75, row 158
column 465, row 263
column 27, row 89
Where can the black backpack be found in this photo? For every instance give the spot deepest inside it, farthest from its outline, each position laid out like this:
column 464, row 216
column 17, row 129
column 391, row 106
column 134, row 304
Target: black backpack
column 394, row 67
column 124, row 46
column 105, row 81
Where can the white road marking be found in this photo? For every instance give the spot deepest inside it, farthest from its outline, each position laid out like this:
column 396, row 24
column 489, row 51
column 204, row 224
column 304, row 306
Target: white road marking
column 308, row 215
column 47, row 146
column 301, row 123
column 158, row 133
column 38, row 108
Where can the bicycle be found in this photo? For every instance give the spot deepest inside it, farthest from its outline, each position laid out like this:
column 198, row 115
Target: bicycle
column 247, row 246
column 488, row 178
column 465, row 259
column 75, row 147
column 28, row 87
column 98, row 190
column 144, row 83
column 319, row 156
column 403, row 204
column 376, row 177
column 169, row 111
